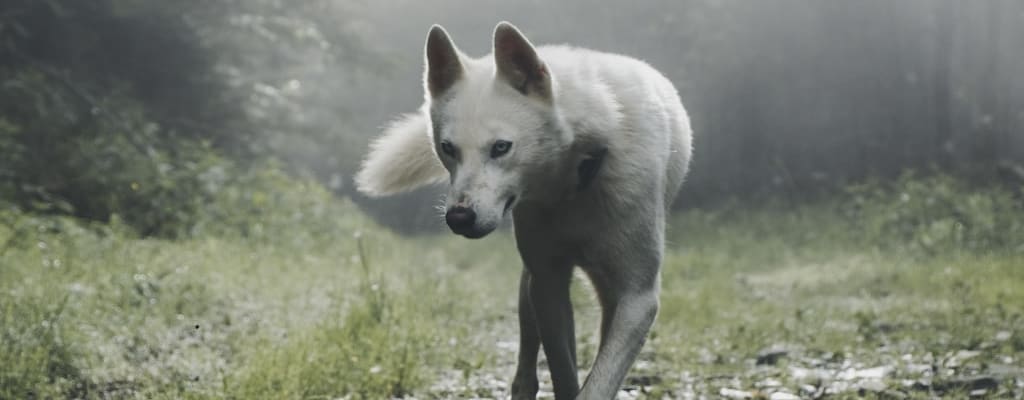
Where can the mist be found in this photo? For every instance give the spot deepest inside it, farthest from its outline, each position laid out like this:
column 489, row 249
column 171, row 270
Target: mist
column 787, row 97
column 178, row 217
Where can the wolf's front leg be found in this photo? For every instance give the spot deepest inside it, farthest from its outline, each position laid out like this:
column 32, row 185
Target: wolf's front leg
column 549, row 272
column 524, row 385
column 549, row 296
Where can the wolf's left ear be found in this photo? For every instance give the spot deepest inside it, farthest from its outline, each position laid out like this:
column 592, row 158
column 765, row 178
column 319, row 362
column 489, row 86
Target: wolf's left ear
column 518, row 64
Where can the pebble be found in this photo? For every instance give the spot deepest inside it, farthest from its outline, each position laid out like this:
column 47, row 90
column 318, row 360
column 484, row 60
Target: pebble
column 873, row 385
column 868, row 373
column 769, row 383
column 783, row 396
column 958, row 359
column 735, row 394
column 799, row 373
column 771, row 355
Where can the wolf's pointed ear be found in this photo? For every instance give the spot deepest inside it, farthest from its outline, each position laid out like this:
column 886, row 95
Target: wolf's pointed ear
column 517, row 62
column 443, row 65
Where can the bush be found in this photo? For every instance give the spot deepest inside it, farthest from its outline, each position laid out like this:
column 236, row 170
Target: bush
column 263, row 202
column 111, row 111
column 936, row 212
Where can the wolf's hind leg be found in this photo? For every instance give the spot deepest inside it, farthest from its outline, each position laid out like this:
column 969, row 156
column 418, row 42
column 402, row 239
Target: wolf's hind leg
column 628, row 291
column 627, row 326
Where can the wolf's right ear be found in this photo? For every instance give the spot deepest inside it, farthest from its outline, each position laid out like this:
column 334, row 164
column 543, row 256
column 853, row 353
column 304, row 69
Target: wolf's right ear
column 444, row 67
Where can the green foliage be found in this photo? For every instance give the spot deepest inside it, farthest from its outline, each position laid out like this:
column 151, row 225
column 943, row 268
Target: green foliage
column 126, row 168
column 265, row 203
column 937, row 212
column 97, row 167
column 104, row 140
column 144, row 113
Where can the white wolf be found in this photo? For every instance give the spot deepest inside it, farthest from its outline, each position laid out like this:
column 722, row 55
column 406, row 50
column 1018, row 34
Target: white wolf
column 585, row 149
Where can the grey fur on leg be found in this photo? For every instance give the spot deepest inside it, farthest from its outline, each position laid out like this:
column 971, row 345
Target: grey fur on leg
column 627, row 288
column 549, row 295
column 630, row 322
column 525, row 385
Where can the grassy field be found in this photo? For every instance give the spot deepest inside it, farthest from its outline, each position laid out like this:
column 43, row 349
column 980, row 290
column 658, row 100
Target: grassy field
column 905, row 290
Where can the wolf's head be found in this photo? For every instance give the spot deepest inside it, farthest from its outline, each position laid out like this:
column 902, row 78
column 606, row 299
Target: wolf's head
column 495, row 127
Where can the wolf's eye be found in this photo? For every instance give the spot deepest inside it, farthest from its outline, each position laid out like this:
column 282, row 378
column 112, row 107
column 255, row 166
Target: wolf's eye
column 500, row 148
column 448, row 149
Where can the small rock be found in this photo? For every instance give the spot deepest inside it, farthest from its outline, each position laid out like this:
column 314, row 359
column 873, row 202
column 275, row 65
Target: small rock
column 771, row 355
column 872, row 385
column 769, row 383
column 837, row 387
column 978, row 393
column 809, row 374
column 735, row 394
column 919, row 369
column 868, row 373
column 958, row 359
column 1003, row 336
column 628, row 394
column 783, row 396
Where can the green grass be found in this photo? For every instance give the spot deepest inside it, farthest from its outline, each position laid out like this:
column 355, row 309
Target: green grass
column 314, row 310
column 801, row 280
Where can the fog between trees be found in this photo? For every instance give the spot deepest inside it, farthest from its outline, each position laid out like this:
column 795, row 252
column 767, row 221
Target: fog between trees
column 141, row 108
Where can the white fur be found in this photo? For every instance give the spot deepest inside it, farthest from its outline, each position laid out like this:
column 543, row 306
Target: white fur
column 560, row 107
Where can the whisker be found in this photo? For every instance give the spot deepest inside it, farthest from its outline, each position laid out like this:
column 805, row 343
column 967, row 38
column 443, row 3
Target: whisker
column 440, row 208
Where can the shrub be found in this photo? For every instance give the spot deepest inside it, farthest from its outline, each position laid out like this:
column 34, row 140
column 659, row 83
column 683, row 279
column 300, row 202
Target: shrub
column 936, row 212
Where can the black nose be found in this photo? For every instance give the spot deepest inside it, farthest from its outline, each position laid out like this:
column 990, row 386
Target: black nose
column 460, row 218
